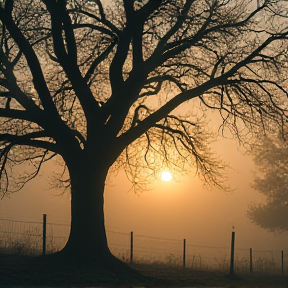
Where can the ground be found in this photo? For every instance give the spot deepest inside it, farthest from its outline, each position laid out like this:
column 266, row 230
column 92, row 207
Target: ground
column 29, row 271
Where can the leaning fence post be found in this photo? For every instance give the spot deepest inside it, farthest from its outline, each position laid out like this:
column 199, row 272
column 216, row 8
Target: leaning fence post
column 131, row 247
column 184, row 253
column 251, row 261
column 231, row 273
column 282, row 262
column 44, row 235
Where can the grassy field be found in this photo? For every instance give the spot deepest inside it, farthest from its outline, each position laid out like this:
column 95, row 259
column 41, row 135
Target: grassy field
column 20, row 265
column 189, row 277
column 157, row 259
column 28, row 270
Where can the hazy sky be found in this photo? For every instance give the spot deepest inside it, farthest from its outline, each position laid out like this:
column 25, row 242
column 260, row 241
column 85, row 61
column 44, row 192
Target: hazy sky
column 172, row 210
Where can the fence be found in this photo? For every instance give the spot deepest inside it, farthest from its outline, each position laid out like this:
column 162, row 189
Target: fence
column 25, row 237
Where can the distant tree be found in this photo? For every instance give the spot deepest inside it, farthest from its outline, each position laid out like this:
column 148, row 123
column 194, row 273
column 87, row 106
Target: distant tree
column 99, row 86
column 271, row 158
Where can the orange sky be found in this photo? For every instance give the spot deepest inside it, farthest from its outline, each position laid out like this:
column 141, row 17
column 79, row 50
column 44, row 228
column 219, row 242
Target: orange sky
column 172, row 209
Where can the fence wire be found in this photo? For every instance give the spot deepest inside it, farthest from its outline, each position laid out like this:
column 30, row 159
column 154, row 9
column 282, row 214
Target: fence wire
column 157, row 250
column 24, row 237
column 119, row 244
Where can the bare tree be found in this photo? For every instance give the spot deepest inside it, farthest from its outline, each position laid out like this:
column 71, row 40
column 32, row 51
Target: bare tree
column 271, row 158
column 98, row 86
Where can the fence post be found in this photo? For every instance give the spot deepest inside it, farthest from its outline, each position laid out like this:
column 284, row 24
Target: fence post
column 184, row 253
column 251, row 261
column 232, row 273
column 131, row 247
column 44, row 235
column 282, row 262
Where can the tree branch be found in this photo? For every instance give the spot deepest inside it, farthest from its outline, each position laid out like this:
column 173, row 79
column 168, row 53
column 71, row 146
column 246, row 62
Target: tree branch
column 84, row 94
column 17, row 114
column 32, row 60
column 102, row 20
column 98, row 60
column 29, row 140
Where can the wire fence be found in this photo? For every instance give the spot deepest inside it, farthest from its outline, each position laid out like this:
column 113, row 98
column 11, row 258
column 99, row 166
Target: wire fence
column 24, row 237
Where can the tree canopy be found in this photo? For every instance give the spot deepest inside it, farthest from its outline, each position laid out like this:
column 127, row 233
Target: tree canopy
column 100, row 85
column 271, row 158
column 78, row 68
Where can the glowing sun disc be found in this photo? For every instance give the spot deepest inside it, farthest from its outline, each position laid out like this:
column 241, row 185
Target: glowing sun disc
column 166, row 176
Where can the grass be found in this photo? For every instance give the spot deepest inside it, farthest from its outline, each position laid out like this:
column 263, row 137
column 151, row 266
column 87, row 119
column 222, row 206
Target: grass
column 24, row 245
column 20, row 265
column 191, row 277
column 28, row 270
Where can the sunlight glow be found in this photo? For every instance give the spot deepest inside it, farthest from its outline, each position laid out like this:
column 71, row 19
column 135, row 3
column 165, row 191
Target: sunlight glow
column 166, row 176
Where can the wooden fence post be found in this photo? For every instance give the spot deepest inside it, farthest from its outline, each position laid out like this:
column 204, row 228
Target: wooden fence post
column 251, row 261
column 44, row 235
column 131, row 247
column 184, row 253
column 282, row 262
column 231, row 273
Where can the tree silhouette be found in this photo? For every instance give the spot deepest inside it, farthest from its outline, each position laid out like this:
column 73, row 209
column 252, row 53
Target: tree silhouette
column 98, row 86
column 271, row 158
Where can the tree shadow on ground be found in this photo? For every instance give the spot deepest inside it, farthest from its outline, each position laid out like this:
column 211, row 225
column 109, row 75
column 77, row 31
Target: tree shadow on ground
column 24, row 271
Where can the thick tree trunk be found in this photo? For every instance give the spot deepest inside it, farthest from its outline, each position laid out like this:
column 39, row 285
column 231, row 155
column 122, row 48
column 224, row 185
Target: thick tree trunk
column 87, row 240
column 87, row 247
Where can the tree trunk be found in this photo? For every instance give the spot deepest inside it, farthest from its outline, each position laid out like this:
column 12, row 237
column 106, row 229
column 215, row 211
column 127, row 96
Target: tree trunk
column 87, row 244
column 87, row 239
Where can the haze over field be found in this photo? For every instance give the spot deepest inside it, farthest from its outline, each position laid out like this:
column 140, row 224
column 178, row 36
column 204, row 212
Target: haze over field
column 131, row 89
column 172, row 209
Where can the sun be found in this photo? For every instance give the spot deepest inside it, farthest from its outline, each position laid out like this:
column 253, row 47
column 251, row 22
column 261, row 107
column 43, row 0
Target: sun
column 166, row 176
